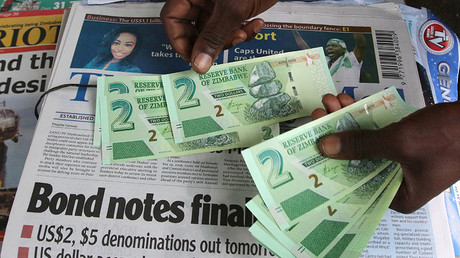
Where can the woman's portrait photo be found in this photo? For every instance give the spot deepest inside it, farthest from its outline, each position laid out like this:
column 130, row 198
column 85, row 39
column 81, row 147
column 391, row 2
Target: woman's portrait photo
column 110, row 47
column 118, row 50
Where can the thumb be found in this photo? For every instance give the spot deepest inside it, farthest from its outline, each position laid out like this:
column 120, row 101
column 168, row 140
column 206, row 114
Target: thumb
column 206, row 49
column 223, row 23
column 359, row 144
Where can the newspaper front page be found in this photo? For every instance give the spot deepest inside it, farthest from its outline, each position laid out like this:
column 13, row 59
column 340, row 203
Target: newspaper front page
column 27, row 48
column 69, row 205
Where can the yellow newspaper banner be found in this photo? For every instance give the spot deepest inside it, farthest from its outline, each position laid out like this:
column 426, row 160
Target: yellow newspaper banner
column 25, row 29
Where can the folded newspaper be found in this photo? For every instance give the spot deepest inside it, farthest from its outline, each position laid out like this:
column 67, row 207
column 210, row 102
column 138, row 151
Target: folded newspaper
column 69, row 204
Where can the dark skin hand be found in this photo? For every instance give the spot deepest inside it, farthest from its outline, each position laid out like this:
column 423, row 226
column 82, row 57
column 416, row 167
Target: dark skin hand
column 425, row 143
column 200, row 29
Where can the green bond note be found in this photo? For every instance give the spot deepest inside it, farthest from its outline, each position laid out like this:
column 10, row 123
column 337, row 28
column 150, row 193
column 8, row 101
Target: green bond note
column 97, row 113
column 257, row 91
column 265, row 238
column 349, row 245
column 288, row 170
column 121, row 85
column 266, row 230
column 355, row 240
column 325, row 226
column 136, row 126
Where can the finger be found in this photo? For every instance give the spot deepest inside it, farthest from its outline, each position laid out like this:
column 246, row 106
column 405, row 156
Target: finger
column 361, row 144
column 212, row 40
column 318, row 113
column 413, row 193
column 253, row 27
column 345, row 99
column 331, row 103
column 423, row 180
column 226, row 19
column 177, row 17
column 246, row 33
column 404, row 200
column 238, row 37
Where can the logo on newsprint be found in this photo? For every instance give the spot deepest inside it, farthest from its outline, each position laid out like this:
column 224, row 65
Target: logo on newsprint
column 436, row 38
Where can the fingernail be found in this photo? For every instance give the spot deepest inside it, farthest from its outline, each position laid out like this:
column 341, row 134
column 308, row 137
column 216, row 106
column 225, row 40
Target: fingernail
column 330, row 145
column 203, row 62
column 258, row 27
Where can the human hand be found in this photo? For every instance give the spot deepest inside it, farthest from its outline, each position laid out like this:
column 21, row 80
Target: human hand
column 425, row 143
column 199, row 29
column 331, row 104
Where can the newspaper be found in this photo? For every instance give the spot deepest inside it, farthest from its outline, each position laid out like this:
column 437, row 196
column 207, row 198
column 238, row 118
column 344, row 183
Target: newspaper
column 29, row 5
column 69, row 205
column 437, row 53
column 90, row 2
column 26, row 59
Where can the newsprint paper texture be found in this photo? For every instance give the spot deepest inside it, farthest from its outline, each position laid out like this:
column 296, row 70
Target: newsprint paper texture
column 192, row 206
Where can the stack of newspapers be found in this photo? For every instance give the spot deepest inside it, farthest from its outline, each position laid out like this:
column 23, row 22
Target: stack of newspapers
column 232, row 106
column 174, row 141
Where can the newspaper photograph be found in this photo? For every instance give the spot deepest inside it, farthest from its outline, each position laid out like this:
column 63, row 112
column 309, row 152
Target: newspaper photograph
column 365, row 55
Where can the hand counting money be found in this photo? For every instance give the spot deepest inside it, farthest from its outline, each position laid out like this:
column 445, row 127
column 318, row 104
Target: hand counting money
column 293, row 178
column 258, row 91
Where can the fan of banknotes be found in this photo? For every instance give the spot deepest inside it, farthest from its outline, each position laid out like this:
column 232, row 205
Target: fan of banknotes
column 308, row 205
column 234, row 105
column 312, row 206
